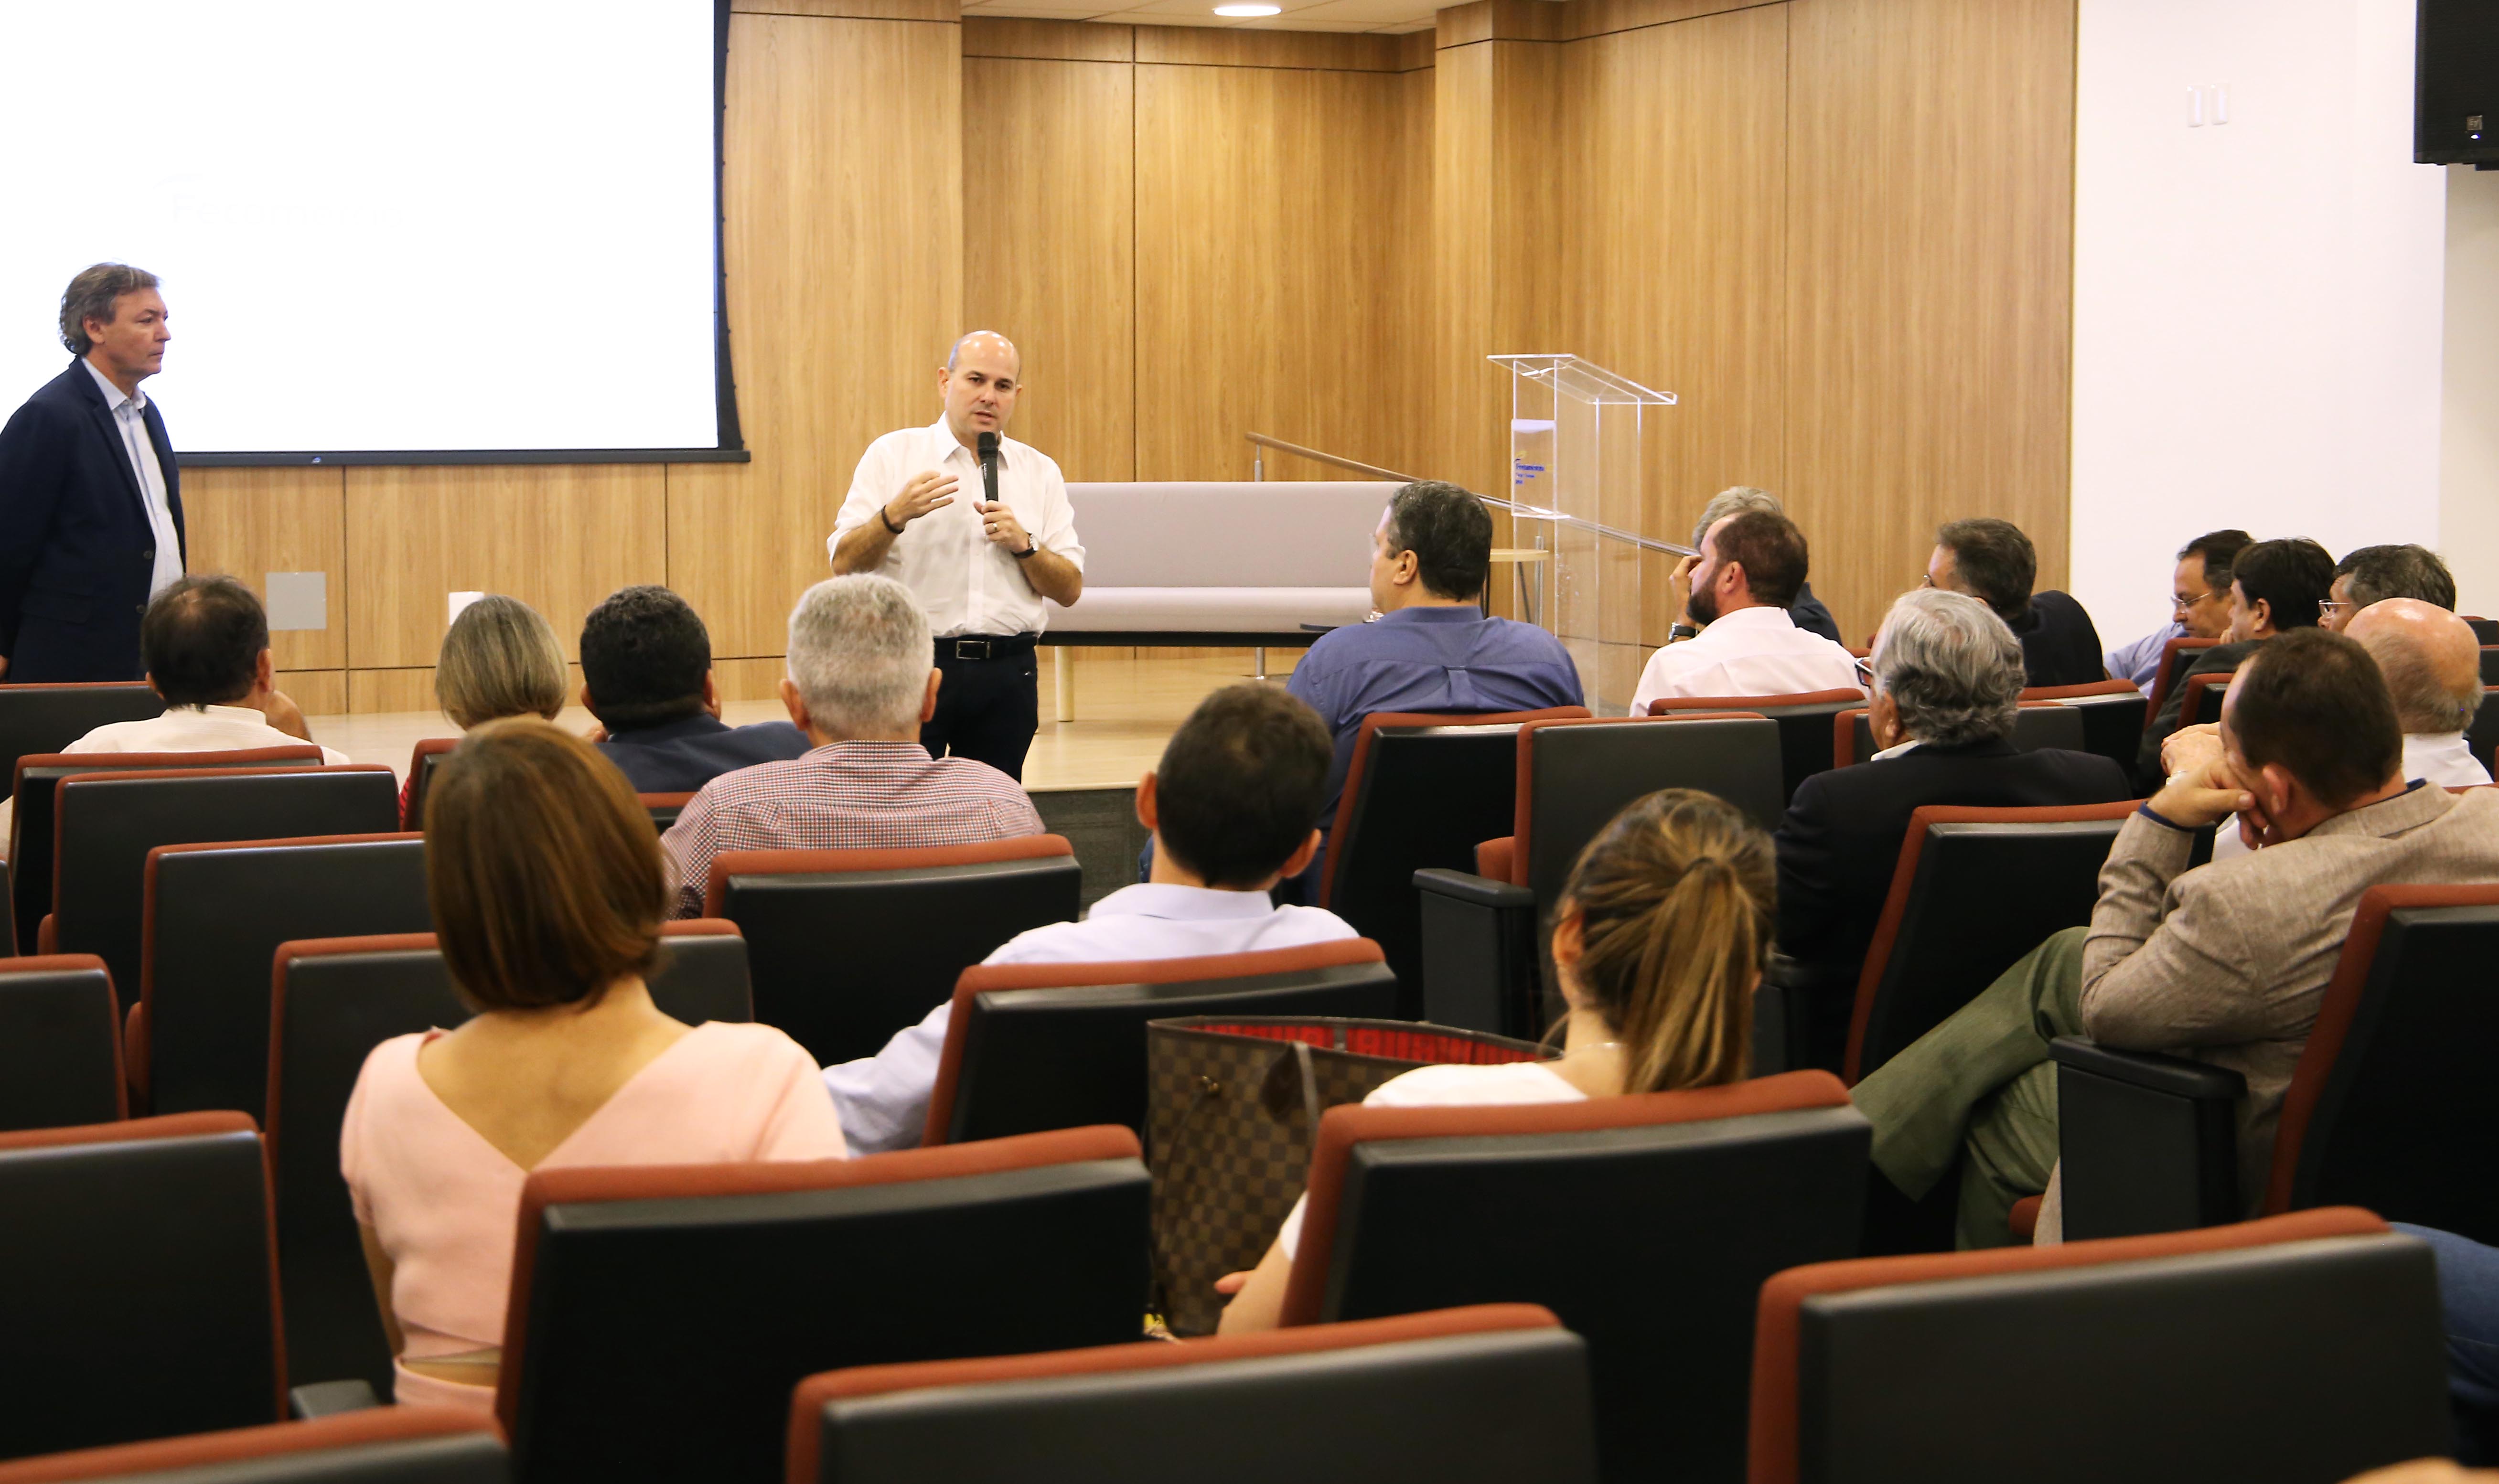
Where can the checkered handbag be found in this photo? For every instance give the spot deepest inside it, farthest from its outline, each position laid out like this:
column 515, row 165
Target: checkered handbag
column 1232, row 1106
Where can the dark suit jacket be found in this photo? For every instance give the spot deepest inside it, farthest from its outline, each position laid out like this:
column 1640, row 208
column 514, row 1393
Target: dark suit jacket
column 2059, row 646
column 682, row 755
column 1808, row 614
column 77, row 553
column 1842, row 836
column 2221, row 657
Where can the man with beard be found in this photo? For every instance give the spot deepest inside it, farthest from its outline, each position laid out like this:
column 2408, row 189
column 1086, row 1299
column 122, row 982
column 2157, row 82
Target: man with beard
column 1736, row 637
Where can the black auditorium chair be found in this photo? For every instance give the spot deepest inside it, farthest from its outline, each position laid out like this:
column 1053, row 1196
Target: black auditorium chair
column 421, row 763
column 2491, row 664
column 1804, row 720
column 1041, row 1045
column 758, row 1276
column 46, row 718
column 136, row 1282
column 384, row 1445
column 1484, row 948
column 332, row 1001
column 2484, row 629
column 60, row 1044
column 1489, row 1394
column 210, row 917
column 32, row 831
column 2175, row 656
column 1648, row 1223
column 2386, row 1106
column 2482, row 736
column 2301, row 1349
column 108, row 822
column 2113, row 713
column 2201, row 698
column 1421, row 792
column 2037, row 725
column 665, row 808
column 851, row 946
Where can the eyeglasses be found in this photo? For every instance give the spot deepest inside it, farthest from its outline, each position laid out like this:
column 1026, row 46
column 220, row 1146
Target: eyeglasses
column 1865, row 673
column 2333, row 606
column 2177, row 605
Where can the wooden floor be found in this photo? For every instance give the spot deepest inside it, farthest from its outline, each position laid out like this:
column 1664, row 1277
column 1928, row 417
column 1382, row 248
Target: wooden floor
column 1125, row 710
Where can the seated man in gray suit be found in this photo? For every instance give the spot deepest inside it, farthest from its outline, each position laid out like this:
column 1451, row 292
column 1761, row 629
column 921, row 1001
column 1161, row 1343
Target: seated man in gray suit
column 2224, row 964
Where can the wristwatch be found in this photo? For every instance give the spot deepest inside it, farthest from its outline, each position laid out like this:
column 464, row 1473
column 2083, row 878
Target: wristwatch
column 1680, row 633
column 889, row 520
column 1027, row 552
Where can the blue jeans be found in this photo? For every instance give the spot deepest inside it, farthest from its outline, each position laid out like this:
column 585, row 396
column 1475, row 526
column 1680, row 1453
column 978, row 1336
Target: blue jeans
column 2468, row 1296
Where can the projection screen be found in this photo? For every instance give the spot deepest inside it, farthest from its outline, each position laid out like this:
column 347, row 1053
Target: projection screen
column 387, row 233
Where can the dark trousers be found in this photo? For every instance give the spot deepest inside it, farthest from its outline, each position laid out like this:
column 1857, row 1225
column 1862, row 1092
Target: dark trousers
column 986, row 709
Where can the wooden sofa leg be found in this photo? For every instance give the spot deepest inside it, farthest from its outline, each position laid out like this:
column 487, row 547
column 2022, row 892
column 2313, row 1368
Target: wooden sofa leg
column 1062, row 670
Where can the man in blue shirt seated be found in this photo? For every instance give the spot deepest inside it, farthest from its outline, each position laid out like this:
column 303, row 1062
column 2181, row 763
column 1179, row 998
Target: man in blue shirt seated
column 646, row 675
column 1431, row 648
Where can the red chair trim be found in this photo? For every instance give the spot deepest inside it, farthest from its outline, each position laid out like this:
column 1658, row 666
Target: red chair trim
column 2111, row 687
column 983, row 977
column 1773, row 1450
column 649, row 1182
column 1360, row 764
column 807, row 1402
column 2191, row 690
column 1666, row 703
column 2167, row 675
column 1525, row 812
column 1342, row 1128
column 730, row 864
column 1497, row 860
column 1895, row 901
column 346, row 1429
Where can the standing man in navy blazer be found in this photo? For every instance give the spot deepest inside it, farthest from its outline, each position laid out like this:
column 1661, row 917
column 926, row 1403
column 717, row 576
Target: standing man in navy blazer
column 90, row 501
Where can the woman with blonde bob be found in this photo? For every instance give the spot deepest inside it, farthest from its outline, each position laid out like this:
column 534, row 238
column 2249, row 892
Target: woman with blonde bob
column 1658, row 942
column 548, row 891
column 499, row 658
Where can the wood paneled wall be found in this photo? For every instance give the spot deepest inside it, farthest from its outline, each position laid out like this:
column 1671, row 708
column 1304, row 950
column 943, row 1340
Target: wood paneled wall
column 1838, row 229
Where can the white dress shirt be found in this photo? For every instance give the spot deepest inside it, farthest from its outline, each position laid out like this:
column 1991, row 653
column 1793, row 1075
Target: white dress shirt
column 2439, row 758
column 967, row 583
column 129, row 415
column 180, row 730
column 1749, row 652
column 884, row 1099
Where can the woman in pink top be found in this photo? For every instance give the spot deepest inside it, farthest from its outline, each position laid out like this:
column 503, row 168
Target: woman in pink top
column 1658, row 942
column 548, row 889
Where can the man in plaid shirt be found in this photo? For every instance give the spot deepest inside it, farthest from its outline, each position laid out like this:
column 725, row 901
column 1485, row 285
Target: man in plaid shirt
column 860, row 686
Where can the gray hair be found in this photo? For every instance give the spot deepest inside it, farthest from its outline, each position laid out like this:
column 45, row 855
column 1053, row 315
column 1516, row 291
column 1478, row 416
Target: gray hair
column 1735, row 500
column 92, row 295
column 2424, row 703
column 859, row 655
column 1951, row 665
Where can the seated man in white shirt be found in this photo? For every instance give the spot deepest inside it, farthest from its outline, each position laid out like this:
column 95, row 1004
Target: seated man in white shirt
column 206, row 644
column 1234, row 808
column 1736, row 637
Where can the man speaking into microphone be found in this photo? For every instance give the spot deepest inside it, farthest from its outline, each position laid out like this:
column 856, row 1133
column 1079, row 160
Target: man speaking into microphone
column 979, row 559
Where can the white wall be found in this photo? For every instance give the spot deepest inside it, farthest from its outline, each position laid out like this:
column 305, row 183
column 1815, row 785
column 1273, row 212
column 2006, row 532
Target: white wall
column 2468, row 505
column 2258, row 304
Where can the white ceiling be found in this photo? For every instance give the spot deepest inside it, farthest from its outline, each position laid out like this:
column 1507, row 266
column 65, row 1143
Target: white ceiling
column 1385, row 16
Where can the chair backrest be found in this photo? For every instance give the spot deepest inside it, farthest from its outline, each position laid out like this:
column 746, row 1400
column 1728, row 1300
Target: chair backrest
column 1489, row 1394
column 2299, row 1349
column 2482, row 736
column 2175, row 656
column 60, row 1044
column 48, row 716
column 2113, row 711
column 139, row 1296
column 421, row 763
column 1043, row 1045
column 2484, row 629
column 378, row 1445
column 2037, row 725
column 1648, row 1223
column 332, row 1001
column 1973, row 891
column 2201, row 700
column 665, row 808
column 849, row 946
column 31, row 830
column 105, row 825
column 1573, row 777
column 762, row 1274
column 210, row 917
column 1804, row 720
column 1421, row 790
column 2387, row 1107
column 2491, row 664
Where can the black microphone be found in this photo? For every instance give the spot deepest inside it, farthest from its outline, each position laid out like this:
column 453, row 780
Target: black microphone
column 989, row 466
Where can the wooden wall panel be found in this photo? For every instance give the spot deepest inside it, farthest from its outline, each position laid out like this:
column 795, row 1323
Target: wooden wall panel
column 1050, row 248
column 315, row 692
column 251, row 522
column 560, row 538
column 1224, row 46
column 1677, row 171
column 1053, row 40
column 844, row 236
column 1268, row 254
column 1930, row 269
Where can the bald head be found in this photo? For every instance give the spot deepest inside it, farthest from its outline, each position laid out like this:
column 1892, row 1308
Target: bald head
column 2430, row 658
column 987, row 343
column 984, row 374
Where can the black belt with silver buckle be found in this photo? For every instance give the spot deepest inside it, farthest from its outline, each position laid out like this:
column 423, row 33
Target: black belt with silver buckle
column 985, row 646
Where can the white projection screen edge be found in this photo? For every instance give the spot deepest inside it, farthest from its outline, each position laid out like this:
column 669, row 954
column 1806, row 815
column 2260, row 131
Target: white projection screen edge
column 489, row 233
